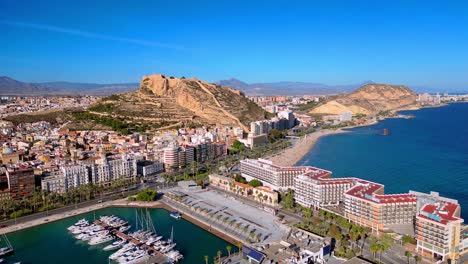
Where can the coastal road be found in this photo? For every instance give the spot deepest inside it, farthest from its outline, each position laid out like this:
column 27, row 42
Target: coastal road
column 68, row 208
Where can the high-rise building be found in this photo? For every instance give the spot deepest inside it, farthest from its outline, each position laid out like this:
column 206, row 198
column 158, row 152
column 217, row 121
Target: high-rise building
column 111, row 169
column 21, row 180
column 316, row 189
column 288, row 115
column 438, row 226
column 367, row 205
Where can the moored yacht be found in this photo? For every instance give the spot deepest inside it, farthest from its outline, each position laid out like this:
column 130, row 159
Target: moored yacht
column 115, row 245
column 100, row 240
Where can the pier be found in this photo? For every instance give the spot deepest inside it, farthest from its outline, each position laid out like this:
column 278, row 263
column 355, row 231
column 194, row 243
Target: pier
column 154, row 256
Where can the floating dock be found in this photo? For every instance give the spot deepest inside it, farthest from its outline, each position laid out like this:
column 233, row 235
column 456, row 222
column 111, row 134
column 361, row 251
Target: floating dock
column 154, row 255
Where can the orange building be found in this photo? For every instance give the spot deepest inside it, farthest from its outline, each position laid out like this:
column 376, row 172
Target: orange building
column 438, row 229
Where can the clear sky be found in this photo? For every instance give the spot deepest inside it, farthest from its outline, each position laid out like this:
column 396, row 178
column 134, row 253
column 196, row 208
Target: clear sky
column 420, row 43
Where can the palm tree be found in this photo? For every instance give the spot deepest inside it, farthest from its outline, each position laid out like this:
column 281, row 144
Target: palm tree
column 353, row 236
column 229, row 248
column 374, row 248
column 418, row 259
column 408, row 255
column 206, row 259
column 219, row 255
column 386, row 242
column 231, row 222
column 239, row 245
column 259, row 235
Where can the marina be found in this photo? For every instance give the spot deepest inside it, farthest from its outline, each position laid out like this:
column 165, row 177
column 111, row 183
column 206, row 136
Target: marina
column 57, row 243
column 140, row 246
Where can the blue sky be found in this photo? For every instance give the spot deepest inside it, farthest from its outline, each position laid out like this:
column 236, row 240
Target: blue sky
column 419, row 43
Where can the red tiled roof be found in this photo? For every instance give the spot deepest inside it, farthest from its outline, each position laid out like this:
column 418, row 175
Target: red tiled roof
column 444, row 211
column 243, row 185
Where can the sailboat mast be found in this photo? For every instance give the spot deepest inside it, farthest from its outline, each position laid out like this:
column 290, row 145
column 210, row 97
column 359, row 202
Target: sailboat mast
column 172, row 234
column 136, row 218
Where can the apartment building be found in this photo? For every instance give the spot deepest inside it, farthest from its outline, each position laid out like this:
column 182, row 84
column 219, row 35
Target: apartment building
column 273, row 176
column 147, row 168
column 21, row 180
column 4, row 190
column 54, row 183
column 75, row 175
column 114, row 168
column 316, row 189
column 367, row 205
column 179, row 157
column 439, row 227
column 171, row 157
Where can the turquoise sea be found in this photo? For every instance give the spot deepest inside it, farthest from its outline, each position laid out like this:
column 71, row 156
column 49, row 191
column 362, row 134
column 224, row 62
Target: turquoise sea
column 425, row 153
column 51, row 243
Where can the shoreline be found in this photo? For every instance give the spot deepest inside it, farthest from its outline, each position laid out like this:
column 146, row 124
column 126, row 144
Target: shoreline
column 292, row 155
column 119, row 203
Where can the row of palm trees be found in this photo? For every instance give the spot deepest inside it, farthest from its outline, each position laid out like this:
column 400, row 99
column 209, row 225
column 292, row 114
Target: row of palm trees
column 217, row 258
column 380, row 245
column 40, row 200
column 227, row 221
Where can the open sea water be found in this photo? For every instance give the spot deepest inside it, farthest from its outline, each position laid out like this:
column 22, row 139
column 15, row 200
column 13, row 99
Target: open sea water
column 425, row 153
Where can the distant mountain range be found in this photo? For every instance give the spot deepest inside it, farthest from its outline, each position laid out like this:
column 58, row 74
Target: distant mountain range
column 9, row 86
column 290, row 88
column 310, row 88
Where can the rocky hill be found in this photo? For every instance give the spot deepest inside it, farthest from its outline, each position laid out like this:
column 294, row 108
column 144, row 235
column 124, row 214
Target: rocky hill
column 370, row 99
column 169, row 102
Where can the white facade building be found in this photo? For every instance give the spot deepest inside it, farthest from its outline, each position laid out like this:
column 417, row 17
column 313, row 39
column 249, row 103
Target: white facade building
column 276, row 177
column 113, row 169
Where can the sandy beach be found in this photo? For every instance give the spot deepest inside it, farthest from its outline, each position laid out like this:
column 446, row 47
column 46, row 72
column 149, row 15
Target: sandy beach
column 301, row 147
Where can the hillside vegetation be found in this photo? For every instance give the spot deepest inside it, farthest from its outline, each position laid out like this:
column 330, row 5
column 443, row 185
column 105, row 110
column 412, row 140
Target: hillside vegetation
column 163, row 101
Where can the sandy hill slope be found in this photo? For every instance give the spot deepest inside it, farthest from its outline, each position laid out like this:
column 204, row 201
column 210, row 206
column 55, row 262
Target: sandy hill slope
column 176, row 101
column 370, row 99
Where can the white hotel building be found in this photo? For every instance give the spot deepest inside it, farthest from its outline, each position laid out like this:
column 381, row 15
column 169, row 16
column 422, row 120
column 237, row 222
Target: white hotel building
column 65, row 178
column 276, row 177
column 107, row 170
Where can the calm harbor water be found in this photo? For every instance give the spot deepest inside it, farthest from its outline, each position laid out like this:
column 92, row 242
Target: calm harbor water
column 51, row 243
column 426, row 153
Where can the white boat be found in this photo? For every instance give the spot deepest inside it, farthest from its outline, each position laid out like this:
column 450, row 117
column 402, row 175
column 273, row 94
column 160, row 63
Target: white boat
column 153, row 239
column 5, row 251
column 124, row 229
column 100, row 240
column 115, row 245
column 136, row 257
column 8, row 249
column 175, row 215
column 130, row 255
column 135, row 260
column 126, row 248
column 168, row 248
column 174, row 255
